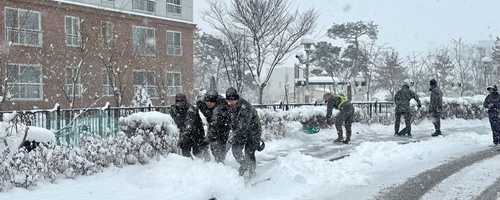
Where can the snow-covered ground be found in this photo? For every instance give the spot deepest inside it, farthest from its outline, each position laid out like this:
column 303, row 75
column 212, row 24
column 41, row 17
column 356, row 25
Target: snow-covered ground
column 291, row 168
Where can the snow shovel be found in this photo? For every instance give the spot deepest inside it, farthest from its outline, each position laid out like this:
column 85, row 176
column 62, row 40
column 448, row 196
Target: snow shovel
column 405, row 131
column 310, row 130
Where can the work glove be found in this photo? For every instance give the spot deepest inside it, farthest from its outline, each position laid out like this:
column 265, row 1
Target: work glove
column 328, row 120
column 228, row 146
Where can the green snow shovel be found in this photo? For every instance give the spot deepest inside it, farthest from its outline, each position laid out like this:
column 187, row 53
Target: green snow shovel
column 310, row 130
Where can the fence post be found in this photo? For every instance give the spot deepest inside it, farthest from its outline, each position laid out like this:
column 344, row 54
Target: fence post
column 108, row 109
column 371, row 107
column 47, row 119
column 58, row 125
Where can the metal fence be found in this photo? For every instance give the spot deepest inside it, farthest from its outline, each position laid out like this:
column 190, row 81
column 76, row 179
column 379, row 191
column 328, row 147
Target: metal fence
column 67, row 123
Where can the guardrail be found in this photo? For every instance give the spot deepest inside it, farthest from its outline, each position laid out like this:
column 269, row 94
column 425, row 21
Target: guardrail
column 66, row 123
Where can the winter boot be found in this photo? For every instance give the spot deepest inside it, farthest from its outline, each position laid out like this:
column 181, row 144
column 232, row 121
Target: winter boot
column 242, row 169
column 347, row 138
column 340, row 137
column 437, row 133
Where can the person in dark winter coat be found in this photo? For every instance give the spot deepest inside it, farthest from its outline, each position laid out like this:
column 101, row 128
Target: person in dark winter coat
column 187, row 119
column 345, row 116
column 492, row 102
column 402, row 100
column 436, row 106
column 246, row 131
column 214, row 108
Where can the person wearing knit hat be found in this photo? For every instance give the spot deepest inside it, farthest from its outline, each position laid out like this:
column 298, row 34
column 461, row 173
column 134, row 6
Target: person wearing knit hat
column 215, row 109
column 492, row 103
column 191, row 132
column 435, row 107
column 245, row 138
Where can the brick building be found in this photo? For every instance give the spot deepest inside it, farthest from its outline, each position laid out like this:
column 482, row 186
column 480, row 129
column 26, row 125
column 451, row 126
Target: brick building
column 84, row 53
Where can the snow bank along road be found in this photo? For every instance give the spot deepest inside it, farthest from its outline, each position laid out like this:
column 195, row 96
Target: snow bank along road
column 472, row 176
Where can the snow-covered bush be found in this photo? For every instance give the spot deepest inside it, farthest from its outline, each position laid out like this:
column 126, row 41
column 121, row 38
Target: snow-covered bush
column 275, row 123
column 155, row 128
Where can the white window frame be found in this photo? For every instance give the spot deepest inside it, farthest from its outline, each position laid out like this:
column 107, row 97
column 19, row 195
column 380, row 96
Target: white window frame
column 174, row 43
column 107, row 90
column 71, row 73
column 143, row 44
column 144, row 5
column 20, row 33
column 173, row 83
column 72, row 30
column 108, row 32
column 148, row 82
column 24, row 88
column 174, row 7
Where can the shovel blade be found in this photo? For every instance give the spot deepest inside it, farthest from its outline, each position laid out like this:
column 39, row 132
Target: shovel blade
column 403, row 132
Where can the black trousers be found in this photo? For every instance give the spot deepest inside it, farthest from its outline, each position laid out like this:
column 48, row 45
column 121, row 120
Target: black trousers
column 407, row 116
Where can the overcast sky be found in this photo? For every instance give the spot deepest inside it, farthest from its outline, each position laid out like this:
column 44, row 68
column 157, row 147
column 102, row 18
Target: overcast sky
column 405, row 25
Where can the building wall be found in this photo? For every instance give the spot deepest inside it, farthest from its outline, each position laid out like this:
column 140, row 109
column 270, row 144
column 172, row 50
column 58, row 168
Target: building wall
column 275, row 89
column 54, row 56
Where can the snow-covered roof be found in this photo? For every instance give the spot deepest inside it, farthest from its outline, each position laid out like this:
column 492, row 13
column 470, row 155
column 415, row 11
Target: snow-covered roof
column 325, row 80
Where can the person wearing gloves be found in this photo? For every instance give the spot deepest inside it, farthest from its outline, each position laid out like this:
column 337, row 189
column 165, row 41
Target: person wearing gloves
column 435, row 107
column 246, row 132
column 215, row 109
column 492, row 103
column 402, row 100
column 345, row 116
column 187, row 119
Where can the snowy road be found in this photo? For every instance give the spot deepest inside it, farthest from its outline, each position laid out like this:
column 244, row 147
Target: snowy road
column 455, row 171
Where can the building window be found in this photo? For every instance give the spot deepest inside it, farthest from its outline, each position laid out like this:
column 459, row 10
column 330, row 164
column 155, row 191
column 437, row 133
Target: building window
column 107, row 89
column 108, row 33
column 25, row 81
column 72, row 31
column 23, row 27
column 146, row 80
column 144, row 5
column 174, row 46
column 174, row 83
column 73, row 82
column 174, row 7
column 143, row 39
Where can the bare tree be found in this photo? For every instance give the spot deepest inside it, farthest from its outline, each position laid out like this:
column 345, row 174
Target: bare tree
column 439, row 66
column 416, row 70
column 391, row 73
column 374, row 56
column 463, row 59
column 269, row 28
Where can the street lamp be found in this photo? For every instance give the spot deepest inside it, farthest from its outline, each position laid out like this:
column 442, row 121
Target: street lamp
column 307, row 42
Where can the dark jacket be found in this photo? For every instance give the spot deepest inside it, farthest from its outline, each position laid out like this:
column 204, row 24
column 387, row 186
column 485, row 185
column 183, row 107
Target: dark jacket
column 337, row 103
column 218, row 120
column 493, row 98
column 402, row 100
column 189, row 123
column 245, row 122
column 436, row 104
